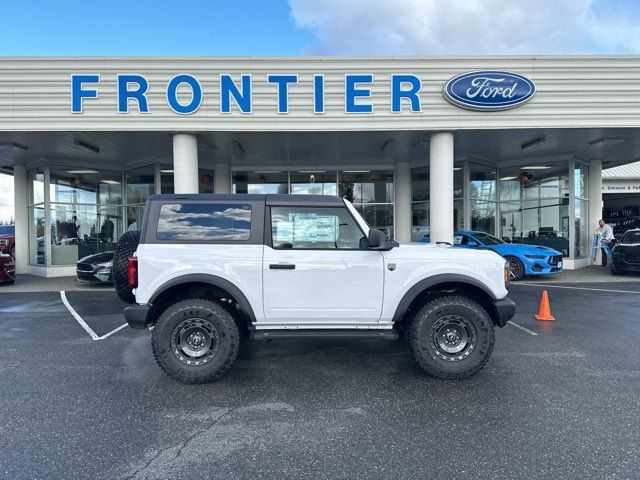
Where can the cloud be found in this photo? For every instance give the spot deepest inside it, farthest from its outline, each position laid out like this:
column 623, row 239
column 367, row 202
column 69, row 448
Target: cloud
column 460, row 27
column 6, row 197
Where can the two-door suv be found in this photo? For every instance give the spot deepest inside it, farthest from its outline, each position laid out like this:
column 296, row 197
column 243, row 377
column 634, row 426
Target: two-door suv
column 209, row 270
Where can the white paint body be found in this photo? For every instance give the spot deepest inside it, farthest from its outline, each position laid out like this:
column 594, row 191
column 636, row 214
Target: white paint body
column 328, row 288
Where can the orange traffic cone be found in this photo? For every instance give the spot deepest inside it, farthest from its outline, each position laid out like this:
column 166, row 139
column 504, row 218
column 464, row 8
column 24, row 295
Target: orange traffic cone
column 545, row 309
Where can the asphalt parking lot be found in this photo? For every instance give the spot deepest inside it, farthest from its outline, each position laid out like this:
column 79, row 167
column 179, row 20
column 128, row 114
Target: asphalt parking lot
column 562, row 403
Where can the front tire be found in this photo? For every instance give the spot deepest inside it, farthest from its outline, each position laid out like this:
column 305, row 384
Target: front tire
column 451, row 337
column 195, row 341
column 516, row 268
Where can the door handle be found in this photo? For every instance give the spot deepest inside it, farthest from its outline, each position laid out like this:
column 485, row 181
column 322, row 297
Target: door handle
column 282, row 266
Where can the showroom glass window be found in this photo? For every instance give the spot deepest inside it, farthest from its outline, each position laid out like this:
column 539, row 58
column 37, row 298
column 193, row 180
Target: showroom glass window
column 420, row 201
column 582, row 236
column 139, row 184
column 534, row 205
column 36, row 207
column 483, row 197
column 85, row 213
column 371, row 192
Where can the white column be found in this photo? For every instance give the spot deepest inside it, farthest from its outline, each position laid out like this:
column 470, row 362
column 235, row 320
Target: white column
column 21, row 216
column 185, row 163
column 402, row 201
column 222, row 178
column 441, row 187
column 595, row 199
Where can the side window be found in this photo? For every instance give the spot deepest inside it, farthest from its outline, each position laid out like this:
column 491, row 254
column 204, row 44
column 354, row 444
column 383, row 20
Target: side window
column 459, row 240
column 204, row 222
column 314, row 227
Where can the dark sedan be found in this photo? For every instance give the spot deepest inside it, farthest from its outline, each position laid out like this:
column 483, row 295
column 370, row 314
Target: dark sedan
column 7, row 269
column 96, row 268
column 626, row 253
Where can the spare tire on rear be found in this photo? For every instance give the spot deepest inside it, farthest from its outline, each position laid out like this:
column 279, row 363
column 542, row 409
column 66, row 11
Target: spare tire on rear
column 127, row 246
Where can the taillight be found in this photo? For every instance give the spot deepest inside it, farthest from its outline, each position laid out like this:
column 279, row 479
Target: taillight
column 132, row 271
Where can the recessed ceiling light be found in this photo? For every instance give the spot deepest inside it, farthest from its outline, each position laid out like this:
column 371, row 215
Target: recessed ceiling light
column 535, row 167
column 508, row 178
column 110, row 182
column 312, row 171
column 166, row 170
column 267, row 171
column 607, row 141
column 356, row 171
column 533, row 142
column 455, row 169
column 82, row 171
column 86, row 146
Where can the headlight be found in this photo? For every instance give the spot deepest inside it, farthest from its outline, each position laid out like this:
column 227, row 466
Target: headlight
column 536, row 257
column 106, row 264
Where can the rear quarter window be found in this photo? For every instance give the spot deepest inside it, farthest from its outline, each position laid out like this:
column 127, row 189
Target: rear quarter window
column 204, row 222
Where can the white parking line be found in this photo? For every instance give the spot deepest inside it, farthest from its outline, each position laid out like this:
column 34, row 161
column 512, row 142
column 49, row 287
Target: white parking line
column 513, row 324
column 574, row 288
column 83, row 324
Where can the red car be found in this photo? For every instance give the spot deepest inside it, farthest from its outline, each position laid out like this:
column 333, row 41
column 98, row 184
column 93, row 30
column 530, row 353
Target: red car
column 7, row 269
column 7, row 239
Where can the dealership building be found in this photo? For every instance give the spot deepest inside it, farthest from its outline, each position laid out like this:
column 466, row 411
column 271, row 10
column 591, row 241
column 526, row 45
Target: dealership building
column 423, row 146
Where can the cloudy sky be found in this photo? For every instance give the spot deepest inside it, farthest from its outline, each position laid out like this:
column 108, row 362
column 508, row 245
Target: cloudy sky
column 317, row 27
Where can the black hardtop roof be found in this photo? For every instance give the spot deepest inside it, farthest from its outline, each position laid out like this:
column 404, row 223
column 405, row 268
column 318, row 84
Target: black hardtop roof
column 269, row 199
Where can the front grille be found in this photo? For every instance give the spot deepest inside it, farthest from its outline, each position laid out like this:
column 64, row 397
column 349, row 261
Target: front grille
column 632, row 257
column 555, row 260
column 85, row 267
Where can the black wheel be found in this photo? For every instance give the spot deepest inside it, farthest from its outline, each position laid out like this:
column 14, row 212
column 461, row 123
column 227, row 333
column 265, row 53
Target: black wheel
column 516, row 268
column 127, row 245
column 451, row 337
column 195, row 341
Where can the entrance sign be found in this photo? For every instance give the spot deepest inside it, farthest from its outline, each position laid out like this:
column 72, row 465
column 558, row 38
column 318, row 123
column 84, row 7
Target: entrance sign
column 489, row 90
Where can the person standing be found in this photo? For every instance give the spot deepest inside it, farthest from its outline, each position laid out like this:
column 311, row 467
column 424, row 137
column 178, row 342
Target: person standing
column 608, row 240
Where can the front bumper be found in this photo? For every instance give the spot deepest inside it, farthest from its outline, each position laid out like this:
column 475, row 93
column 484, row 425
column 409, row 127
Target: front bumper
column 504, row 310
column 136, row 315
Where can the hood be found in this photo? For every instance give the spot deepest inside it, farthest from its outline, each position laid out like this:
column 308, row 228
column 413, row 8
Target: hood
column 444, row 252
column 524, row 249
column 97, row 258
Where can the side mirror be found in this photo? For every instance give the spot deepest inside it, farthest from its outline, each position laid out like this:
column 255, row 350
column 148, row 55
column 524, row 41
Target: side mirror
column 377, row 240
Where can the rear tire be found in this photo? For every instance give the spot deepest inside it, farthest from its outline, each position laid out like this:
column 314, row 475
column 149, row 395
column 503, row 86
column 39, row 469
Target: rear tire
column 195, row 341
column 516, row 268
column 127, row 246
column 451, row 337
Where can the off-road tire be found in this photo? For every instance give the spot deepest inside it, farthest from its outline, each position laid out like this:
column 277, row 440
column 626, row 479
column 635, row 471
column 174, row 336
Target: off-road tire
column 423, row 344
column 172, row 360
column 516, row 260
column 127, row 245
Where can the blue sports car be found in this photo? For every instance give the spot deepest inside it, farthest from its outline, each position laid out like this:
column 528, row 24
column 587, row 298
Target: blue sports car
column 523, row 259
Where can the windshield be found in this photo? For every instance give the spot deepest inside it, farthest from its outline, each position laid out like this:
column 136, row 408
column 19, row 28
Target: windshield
column 631, row 237
column 487, row 239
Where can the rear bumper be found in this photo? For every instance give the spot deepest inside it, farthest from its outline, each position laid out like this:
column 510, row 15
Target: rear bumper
column 505, row 309
column 136, row 315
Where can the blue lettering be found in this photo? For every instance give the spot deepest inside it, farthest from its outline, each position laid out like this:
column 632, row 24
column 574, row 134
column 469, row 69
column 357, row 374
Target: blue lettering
column 228, row 88
column 318, row 94
column 283, row 82
column 351, row 93
column 172, row 94
column 398, row 93
column 139, row 94
column 78, row 93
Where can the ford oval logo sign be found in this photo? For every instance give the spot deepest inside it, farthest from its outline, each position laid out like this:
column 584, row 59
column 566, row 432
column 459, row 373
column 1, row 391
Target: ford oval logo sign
column 489, row 90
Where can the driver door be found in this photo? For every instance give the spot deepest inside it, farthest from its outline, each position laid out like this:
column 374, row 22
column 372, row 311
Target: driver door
column 317, row 269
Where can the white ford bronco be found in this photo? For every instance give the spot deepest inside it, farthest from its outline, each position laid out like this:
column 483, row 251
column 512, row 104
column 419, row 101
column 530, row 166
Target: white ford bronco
column 210, row 270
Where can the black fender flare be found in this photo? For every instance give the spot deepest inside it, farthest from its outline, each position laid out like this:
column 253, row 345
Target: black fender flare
column 432, row 281
column 234, row 291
